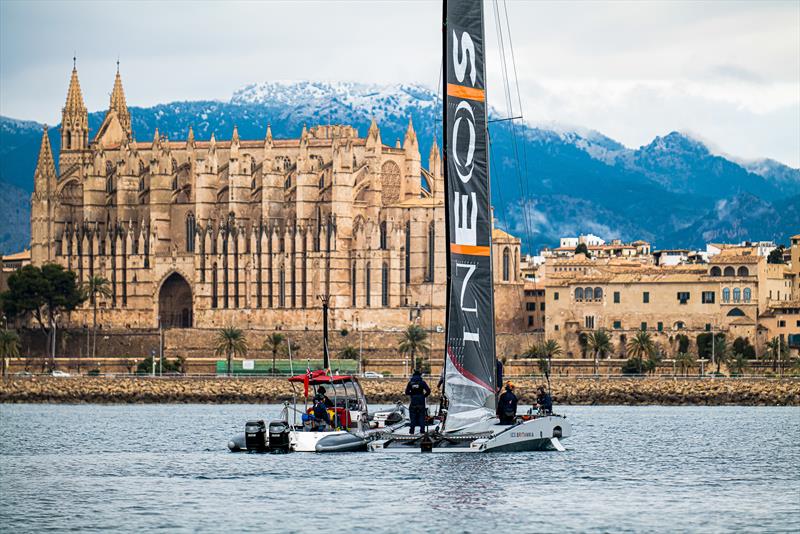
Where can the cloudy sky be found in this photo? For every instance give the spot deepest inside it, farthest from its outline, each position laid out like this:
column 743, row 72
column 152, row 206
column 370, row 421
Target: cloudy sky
column 726, row 72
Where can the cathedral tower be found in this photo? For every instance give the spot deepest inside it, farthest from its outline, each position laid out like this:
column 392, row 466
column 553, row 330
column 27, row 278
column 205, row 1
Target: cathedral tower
column 42, row 203
column 74, row 124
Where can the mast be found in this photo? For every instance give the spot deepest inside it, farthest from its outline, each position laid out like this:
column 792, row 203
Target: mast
column 326, row 361
column 470, row 373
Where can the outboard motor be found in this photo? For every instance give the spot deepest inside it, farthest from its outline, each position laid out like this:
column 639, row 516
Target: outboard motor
column 278, row 436
column 255, row 434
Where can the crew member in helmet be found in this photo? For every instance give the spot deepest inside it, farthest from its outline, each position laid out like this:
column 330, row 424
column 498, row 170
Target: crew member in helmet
column 417, row 390
column 545, row 401
column 507, row 405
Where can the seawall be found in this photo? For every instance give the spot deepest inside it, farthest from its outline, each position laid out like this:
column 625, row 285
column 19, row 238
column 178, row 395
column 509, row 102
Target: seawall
column 644, row 391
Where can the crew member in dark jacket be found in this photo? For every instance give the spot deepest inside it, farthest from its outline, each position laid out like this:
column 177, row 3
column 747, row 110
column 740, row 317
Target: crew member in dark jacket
column 507, row 406
column 417, row 390
column 545, row 401
column 328, row 402
column 321, row 414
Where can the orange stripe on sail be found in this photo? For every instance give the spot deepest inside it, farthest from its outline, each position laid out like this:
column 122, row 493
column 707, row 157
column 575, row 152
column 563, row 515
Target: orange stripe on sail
column 466, row 92
column 470, row 250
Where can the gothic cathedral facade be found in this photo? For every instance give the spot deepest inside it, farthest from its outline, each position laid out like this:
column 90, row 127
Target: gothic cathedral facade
column 243, row 232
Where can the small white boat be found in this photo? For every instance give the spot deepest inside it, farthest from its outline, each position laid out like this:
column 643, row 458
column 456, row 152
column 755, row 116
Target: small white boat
column 299, row 431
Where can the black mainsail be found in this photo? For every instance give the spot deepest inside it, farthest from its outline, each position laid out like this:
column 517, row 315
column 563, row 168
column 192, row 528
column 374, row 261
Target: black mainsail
column 470, row 373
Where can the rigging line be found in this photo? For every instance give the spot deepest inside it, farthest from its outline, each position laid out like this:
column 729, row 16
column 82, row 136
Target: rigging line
column 509, row 103
column 503, row 120
column 433, row 194
column 522, row 113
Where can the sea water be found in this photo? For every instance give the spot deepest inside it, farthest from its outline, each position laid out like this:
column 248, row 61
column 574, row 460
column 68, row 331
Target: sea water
column 145, row 468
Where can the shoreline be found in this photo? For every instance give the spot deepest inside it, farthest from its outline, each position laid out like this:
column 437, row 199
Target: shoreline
column 223, row 390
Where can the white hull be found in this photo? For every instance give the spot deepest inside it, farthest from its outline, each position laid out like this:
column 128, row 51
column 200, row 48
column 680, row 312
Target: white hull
column 539, row 434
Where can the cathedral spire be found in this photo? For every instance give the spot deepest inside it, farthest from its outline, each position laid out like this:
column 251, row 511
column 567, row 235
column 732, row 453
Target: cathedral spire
column 74, row 117
column 411, row 136
column 74, row 96
column 117, row 103
column 45, row 165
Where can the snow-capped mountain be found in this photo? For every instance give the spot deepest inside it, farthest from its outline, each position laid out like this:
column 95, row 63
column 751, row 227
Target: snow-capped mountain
column 548, row 179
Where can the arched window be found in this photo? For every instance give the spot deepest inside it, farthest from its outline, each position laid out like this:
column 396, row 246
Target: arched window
column 214, row 290
column 747, row 294
column 69, row 140
column 353, row 284
column 431, row 251
column 598, row 293
column 726, row 294
column 282, row 288
column 385, row 285
column 680, row 325
column 578, row 293
column 190, row 232
column 367, row 284
column 743, row 271
column 383, row 243
column 736, row 312
column 505, row 264
column 716, row 271
column 587, row 293
column 730, row 271
column 737, row 295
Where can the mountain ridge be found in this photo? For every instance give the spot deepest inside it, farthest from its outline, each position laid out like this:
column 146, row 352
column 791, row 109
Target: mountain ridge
column 569, row 179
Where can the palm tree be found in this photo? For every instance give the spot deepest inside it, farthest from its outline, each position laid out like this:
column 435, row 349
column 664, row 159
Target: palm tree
column 414, row 339
column 600, row 343
column 722, row 351
column 641, row 346
column 273, row 343
column 778, row 351
column 551, row 348
column 9, row 347
column 684, row 360
column 96, row 286
column 738, row 364
column 230, row 342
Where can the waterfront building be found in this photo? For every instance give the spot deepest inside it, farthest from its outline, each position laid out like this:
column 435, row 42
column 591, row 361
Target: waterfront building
column 249, row 232
column 728, row 294
column 10, row 263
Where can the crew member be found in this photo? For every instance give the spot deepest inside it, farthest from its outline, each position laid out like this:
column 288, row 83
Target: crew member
column 545, row 401
column 499, row 378
column 321, row 391
column 321, row 414
column 507, row 406
column 418, row 391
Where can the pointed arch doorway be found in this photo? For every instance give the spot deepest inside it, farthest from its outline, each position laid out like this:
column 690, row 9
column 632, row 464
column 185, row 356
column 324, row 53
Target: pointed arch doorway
column 175, row 302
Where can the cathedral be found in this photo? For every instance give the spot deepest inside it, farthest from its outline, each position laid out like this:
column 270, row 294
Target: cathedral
column 243, row 232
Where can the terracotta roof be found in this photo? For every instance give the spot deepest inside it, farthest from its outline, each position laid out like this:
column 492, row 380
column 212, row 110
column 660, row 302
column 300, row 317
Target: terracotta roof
column 784, row 304
column 497, row 233
column 18, row 256
column 728, row 259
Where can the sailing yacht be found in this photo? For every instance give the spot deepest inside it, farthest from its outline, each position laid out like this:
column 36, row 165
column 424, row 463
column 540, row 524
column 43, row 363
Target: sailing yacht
column 467, row 414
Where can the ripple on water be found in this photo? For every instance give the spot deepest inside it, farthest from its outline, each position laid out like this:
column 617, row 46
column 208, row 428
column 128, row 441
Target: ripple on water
column 150, row 468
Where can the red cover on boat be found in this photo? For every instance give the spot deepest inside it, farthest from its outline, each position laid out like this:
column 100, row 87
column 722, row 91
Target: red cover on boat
column 321, row 377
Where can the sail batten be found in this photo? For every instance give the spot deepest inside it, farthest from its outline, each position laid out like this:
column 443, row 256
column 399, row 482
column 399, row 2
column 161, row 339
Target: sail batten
column 470, row 354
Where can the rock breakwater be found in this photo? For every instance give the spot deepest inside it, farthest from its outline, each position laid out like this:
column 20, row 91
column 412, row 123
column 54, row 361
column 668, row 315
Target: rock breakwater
column 660, row 391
